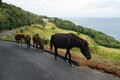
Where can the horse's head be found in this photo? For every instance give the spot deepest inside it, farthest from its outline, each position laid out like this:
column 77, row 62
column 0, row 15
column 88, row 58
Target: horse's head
column 85, row 51
column 22, row 36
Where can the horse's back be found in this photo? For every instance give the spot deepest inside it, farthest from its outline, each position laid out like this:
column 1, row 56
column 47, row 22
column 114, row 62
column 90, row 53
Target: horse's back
column 62, row 40
column 18, row 36
column 35, row 38
column 28, row 37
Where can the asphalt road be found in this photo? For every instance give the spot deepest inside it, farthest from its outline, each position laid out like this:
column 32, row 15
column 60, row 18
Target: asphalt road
column 20, row 63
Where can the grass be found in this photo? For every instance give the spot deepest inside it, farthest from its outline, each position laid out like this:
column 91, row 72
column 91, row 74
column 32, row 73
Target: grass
column 8, row 38
column 99, row 53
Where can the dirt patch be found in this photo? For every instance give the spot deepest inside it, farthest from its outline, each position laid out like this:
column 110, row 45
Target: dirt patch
column 93, row 64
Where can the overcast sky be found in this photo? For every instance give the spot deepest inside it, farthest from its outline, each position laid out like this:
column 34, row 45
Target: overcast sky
column 73, row 8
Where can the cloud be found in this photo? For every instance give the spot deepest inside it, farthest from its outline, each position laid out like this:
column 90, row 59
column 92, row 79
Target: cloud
column 82, row 8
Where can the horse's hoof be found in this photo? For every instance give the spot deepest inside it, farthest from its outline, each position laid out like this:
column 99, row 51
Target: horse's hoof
column 66, row 60
column 71, row 65
column 55, row 58
column 43, row 50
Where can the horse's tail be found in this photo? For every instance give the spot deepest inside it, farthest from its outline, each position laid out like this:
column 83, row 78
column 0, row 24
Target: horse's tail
column 51, row 42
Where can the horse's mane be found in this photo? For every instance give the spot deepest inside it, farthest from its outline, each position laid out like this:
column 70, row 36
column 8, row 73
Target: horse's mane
column 77, row 37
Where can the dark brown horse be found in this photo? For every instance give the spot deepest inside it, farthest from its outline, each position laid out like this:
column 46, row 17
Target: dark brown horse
column 27, row 39
column 37, row 41
column 68, row 41
column 18, row 38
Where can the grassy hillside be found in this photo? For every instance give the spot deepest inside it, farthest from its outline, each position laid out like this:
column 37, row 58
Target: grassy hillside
column 98, row 37
column 12, row 17
column 101, row 54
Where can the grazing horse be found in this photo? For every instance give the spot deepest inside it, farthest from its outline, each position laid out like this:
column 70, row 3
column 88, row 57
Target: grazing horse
column 68, row 41
column 18, row 38
column 37, row 41
column 27, row 39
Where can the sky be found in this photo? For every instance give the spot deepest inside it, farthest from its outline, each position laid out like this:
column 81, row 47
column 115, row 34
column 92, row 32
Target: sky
column 70, row 8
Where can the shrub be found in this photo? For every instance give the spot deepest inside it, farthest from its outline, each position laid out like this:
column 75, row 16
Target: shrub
column 78, row 33
column 53, row 28
column 21, row 30
column 45, row 40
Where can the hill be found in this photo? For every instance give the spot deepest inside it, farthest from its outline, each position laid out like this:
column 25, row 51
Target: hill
column 102, row 46
column 99, row 37
column 12, row 17
column 100, row 53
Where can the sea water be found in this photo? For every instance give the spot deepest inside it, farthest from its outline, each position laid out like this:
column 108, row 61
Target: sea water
column 109, row 26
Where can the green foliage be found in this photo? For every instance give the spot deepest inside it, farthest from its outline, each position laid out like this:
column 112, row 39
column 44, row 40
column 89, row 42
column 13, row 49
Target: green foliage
column 45, row 40
column 63, row 24
column 78, row 33
column 0, row 2
column 53, row 28
column 99, row 37
column 8, row 38
column 21, row 30
column 12, row 17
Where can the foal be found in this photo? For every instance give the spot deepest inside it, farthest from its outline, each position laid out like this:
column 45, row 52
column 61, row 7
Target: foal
column 37, row 41
column 18, row 38
column 27, row 39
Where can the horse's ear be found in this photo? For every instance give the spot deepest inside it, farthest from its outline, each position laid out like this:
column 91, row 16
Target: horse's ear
column 86, row 43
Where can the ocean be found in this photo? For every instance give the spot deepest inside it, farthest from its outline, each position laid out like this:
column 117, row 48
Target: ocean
column 109, row 26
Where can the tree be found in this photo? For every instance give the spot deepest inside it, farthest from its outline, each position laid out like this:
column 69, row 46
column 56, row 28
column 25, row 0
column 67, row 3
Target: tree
column 0, row 2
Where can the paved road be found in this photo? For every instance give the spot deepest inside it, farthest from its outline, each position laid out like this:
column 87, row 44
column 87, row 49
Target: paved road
column 20, row 63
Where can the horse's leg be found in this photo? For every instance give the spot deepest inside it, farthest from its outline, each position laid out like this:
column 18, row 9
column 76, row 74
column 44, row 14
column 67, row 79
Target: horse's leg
column 36, row 45
column 18, row 42
column 29, row 44
column 69, row 58
column 33, row 44
column 66, row 55
column 56, row 53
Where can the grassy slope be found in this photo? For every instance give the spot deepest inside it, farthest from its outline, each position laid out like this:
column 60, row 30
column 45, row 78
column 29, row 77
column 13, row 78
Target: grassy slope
column 101, row 54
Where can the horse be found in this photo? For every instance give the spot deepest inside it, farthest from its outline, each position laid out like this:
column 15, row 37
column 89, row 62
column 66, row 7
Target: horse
column 37, row 41
column 18, row 38
column 27, row 39
column 68, row 41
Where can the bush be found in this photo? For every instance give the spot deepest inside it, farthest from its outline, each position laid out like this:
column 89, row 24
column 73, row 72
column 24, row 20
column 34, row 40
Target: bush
column 45, row 40
column 21, row 30
column 78, row 33
column 99, row 37
column 53, row 28
column 12, row 17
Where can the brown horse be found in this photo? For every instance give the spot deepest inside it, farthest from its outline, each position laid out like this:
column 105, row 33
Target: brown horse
column 18, row 38
column 27, row 39
column 68, row 41
column 37, row 41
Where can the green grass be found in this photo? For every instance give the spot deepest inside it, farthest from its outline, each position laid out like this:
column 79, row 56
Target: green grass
column 100, row 53
column 8, row 38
